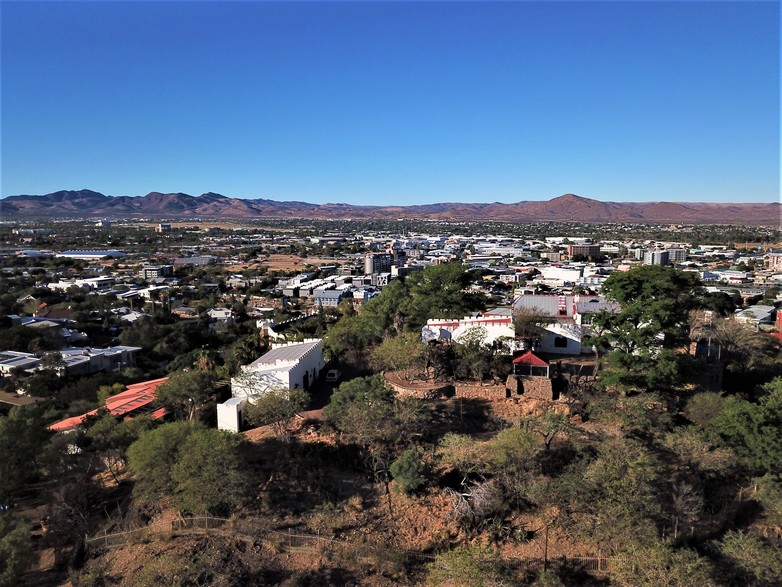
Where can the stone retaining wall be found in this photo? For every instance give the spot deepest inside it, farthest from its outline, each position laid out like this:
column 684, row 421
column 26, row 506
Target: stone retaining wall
column 490, row 392
column 522, row 388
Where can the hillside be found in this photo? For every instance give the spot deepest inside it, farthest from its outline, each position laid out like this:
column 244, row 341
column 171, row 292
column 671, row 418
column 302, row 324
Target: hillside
column 565, row 208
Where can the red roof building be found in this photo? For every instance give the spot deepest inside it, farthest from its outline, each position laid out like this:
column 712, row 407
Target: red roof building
column 127, row 403
column 530, row 364
column 530, row 358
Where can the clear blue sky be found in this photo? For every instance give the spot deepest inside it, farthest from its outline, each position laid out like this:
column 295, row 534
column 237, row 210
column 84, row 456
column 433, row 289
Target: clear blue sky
column 381, row 103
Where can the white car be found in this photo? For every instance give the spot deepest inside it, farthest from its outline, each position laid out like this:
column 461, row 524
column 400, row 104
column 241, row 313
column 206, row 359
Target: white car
column 333, row 375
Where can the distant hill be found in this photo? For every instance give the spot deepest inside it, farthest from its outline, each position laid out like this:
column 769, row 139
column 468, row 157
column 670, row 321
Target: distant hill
column 569, row 207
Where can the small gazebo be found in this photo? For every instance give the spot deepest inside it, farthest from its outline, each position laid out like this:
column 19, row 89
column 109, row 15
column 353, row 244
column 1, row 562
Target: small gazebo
column 530, row 365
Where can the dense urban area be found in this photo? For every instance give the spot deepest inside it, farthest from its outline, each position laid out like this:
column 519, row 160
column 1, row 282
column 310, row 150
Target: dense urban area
column 315, row 402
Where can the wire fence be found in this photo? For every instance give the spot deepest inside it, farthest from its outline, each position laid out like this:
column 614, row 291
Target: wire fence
column 289, row 541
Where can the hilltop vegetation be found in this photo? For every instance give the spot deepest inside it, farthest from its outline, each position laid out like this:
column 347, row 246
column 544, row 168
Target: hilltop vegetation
column 663, row 482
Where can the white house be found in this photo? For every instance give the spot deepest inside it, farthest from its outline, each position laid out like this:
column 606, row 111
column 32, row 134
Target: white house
column 294, row 365
column 494, row 327
column 570, row 315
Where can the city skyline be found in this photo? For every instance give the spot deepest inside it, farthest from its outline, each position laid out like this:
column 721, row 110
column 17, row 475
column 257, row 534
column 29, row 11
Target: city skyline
column 382, row 103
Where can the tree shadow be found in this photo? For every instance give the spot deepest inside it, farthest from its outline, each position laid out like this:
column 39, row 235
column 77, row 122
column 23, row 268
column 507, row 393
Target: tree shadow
column 296, row 478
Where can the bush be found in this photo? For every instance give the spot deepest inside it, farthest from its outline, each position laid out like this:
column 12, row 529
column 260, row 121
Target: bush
column 467, row 566
column 406, row 471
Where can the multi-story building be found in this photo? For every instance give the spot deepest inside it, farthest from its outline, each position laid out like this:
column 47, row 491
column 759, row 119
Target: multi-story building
column 657, row 257
column 378, row 263
column 775, row 261
column 155, row 271
column 583, row 249
column 677, row 255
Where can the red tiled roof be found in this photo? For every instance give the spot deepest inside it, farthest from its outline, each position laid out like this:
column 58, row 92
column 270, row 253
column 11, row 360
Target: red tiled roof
column 529, row 358
column 134, row 397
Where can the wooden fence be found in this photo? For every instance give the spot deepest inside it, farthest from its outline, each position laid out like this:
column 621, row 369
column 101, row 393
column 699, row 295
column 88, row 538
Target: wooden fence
column 315, row 544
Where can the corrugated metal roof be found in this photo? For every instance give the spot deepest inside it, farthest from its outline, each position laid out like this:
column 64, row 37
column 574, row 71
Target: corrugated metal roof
column 547, row 304
column 292, row 352
column 134, row 397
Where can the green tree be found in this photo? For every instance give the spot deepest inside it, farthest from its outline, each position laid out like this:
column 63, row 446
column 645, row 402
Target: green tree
column 403, row 353
column 16, row 550
column 513, row 450
column 609, row 500
column 110, row 438
column 186, row 391
column 43, row 383
column 346, row 340
column 467, row 566
column 473, row 358
column 642, row 340
column 751, row 560
column 200, row 468
column 407, row 471
column 106, row 391
column 369, row 415
column 549, row 426
column 209, row 474
column 754, row 430
column 382, row 314
column 703, row 408
column 152, row 457
column 769, row 495
column 277, row 408
column 465, row 454
column 656, row 563
column 513, row 456
column 23, row 435
column 439, row 291
column 368, row 391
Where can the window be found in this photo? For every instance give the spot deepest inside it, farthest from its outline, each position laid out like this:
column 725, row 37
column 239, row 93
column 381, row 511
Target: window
column 560, row 342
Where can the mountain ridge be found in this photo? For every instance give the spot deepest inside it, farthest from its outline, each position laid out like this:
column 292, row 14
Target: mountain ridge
column 566, row 208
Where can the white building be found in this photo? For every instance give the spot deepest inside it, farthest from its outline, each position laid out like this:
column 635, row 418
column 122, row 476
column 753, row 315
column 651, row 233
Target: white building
column 92, row 255
column 756, row 315
column 562, row 337
column 230, row 414
column 75, row 361
column 774, row 261
column 677, row 255
column 493, row 327
column 657, row 257
column 555, row 273
column 294, row 365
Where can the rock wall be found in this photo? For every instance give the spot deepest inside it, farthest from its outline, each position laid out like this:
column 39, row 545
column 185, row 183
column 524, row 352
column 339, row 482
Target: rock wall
column 514, row 409
column 515, row 389
column 536, row 387
column 490, row 392
column 418, row 390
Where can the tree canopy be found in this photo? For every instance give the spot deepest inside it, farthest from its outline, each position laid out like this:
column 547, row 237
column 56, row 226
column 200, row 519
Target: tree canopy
column 642, row 339
column 200, row 468
column 185, row 391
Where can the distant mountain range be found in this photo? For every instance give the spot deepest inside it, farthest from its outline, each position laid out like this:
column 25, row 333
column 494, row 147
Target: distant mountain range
column 566, row 208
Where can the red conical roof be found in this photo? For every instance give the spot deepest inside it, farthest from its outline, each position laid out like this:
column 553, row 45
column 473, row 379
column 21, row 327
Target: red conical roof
column 529, row 358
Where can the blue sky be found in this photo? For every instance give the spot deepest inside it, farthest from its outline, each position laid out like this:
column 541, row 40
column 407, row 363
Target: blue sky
column 394, row 103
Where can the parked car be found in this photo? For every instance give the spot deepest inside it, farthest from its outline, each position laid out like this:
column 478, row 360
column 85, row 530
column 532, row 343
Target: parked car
column 333, row 375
